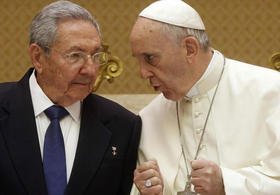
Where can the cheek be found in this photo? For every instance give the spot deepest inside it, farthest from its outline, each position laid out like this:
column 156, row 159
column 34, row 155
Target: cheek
column 171, row 78
column 167, row 74
column 69, row 73
column 64, row 78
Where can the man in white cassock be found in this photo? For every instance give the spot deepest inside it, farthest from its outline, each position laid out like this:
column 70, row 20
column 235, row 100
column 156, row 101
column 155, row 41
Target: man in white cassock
column 215, row 128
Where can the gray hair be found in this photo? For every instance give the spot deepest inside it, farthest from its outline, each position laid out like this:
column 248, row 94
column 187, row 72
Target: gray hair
column 178, row 33
column 44, row 25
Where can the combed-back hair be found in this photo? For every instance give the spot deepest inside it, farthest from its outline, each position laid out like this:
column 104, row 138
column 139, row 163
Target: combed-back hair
column 43, row 28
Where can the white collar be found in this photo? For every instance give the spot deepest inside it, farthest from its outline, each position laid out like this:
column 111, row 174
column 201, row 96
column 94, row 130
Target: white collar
column 196, row 89
column 41, row 102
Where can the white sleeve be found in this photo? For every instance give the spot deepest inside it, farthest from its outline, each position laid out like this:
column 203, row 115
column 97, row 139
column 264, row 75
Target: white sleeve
column 134, row 190
column 262, row 179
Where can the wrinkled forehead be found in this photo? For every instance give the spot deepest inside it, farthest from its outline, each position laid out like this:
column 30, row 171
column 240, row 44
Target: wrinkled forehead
column 72, row 22
column 144, row 27
column 147, row 38
column 77, row 31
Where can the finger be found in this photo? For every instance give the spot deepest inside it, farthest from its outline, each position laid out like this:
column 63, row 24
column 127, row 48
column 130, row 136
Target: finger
column 154, row 161
column 154, row 189
column 145, row 185
column 144, row 175
column 198, row 182
column 144, row 169
column 198, row 173
column 148, row 170
column 150, row 164
column 155, row 181
column 210, row 168
column 152, row 182
column 199, row 164
column 199, row 190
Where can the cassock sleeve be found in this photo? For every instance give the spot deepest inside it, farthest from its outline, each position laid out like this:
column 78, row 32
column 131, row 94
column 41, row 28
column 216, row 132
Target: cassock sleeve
column 263, row 178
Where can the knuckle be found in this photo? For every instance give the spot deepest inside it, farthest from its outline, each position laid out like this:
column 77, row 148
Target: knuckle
column 146, row 164
column 152, row 172
column 207, row 189
column 209, row 172
column 135, row 172
column 208, row 182
column 142, row 188
column 158, row 180
column 212, row 164
column 158, row 189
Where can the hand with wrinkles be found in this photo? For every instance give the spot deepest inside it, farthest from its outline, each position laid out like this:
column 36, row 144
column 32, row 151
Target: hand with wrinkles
column 149, row 170
column 207, row 177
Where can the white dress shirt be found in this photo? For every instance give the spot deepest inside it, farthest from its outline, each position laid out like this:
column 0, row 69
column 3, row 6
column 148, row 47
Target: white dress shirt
column 70, row 125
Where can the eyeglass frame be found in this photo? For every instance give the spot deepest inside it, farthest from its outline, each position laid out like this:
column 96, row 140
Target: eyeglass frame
column 83, row 56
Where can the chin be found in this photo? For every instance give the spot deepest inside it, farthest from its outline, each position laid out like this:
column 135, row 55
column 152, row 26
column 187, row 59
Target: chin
column 78, row 96
column 172, row 96
column 81, row 91
column 81, row 97
column 168, row 96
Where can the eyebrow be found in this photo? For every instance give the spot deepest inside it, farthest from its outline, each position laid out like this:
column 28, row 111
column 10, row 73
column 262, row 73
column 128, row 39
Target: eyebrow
column 143, row 54
column 100, row 48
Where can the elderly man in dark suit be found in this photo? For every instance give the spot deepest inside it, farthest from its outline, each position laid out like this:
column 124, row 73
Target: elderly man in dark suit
column 55, row 136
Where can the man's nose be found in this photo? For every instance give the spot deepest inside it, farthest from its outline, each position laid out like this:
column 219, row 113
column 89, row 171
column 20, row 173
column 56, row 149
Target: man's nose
column 90, row 67
column 145, row 73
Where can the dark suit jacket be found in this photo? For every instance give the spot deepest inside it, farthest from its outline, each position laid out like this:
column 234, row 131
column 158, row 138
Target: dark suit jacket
column 104, row 124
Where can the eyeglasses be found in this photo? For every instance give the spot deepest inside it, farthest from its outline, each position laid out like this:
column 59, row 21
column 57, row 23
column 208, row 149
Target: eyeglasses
column 80, row 58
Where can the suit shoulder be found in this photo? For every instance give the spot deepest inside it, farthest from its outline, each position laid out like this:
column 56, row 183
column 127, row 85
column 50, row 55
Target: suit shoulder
column 108, row 106
column 6, row 90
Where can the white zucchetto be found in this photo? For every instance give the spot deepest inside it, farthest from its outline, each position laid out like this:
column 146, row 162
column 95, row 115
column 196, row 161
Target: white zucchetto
column 175, row 12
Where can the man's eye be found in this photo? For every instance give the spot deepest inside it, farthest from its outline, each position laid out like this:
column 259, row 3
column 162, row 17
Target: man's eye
column 150, row 59
column 74, row 57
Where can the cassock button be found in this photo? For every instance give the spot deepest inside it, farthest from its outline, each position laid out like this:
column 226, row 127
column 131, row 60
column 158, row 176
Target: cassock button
column 196, row 100
column 198, row 131
column 202, row 146
column 196, row 114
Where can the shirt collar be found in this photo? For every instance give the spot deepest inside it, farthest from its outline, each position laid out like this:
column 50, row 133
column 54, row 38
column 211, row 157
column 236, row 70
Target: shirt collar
column 41, row 102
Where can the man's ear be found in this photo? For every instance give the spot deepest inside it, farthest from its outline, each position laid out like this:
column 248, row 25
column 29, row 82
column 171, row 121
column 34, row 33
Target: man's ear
column 37, row 56
column 191, row 45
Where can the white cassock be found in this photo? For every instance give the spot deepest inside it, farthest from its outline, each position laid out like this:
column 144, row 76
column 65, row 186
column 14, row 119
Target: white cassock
column 242, row 133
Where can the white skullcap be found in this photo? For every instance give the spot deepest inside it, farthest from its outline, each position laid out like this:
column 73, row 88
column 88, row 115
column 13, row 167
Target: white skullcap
column 175, row 12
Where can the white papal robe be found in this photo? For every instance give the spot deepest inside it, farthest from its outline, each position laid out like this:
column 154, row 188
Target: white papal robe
column 242, row 134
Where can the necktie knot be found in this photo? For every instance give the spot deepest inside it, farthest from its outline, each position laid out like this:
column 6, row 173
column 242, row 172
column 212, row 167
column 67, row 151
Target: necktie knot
column 56, row 112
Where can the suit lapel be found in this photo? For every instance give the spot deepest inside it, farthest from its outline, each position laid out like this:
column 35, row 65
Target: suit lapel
column 93, row 142
column 19, row 131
